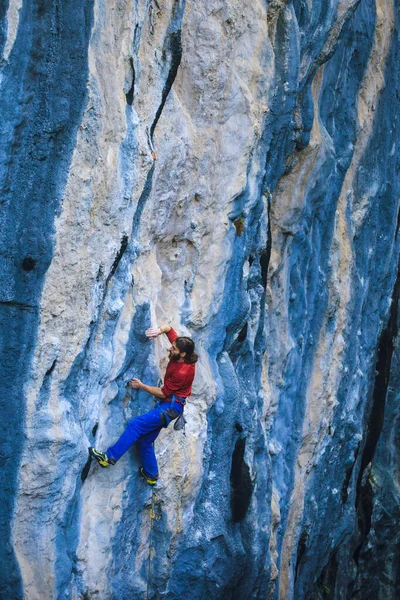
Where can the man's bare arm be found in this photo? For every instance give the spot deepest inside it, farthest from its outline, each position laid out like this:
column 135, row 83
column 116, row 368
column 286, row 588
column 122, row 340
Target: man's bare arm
column 136, row 384
column 154, row 332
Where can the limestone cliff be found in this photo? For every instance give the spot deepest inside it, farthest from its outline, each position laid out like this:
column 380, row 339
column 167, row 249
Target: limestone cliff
column 232, row 168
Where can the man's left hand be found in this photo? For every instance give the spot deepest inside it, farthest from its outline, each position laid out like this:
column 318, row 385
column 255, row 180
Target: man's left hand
column 135, row 383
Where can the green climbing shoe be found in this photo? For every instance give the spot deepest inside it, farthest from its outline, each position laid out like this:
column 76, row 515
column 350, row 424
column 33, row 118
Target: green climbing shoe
column 150, row 480
column 101, row 457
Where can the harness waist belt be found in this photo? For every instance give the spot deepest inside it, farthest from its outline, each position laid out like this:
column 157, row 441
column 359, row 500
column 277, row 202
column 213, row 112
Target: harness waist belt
column 177, row 399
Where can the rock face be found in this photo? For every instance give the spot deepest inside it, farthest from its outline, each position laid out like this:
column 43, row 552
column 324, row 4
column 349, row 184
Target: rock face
column 231, row 168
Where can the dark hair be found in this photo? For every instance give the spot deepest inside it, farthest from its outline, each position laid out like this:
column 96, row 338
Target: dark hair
column 186, row 344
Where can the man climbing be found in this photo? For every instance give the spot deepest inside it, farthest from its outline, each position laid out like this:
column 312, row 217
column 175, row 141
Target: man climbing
column 172, row 396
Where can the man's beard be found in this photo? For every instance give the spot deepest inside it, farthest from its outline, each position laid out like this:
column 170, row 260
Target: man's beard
column 174, row 357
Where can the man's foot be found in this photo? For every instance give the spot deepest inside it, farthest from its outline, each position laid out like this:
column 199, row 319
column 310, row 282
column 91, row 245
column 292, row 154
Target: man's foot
column 150, row 480
column 101, row 457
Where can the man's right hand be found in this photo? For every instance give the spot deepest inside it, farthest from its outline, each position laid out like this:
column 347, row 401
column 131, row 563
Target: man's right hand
column 153, row 332
column 135, row 383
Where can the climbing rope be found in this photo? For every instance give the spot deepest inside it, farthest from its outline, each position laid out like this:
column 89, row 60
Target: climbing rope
column 155, row 515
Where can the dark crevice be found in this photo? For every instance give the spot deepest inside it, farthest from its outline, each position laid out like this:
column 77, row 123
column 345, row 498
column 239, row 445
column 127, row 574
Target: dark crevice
column 28, row 264
column 385, row 353
column 237, row 344
column 365, row 508
column 242, row 333
column 86, row 469
column 325, row 588
column 124, row 245
column 49, row 371
column 145, row 195
column 265, row 254
column 364, row 492
column 251, row 260
column 344, row 492
column 19, row 305
column 79, row 365
column 175, row 50
column 95, row 427
column 398, row 224
column 100, row 273
column 241, row 484
column 301, row 549
column 130, row 93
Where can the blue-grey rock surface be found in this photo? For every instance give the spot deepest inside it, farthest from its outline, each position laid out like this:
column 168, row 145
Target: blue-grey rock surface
column 231, row 168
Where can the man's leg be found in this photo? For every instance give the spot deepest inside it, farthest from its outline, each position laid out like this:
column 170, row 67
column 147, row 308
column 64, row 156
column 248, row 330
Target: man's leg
column 147, row 454
column 139, row 426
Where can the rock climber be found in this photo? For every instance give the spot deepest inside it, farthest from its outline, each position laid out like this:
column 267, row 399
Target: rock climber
column 172, row 396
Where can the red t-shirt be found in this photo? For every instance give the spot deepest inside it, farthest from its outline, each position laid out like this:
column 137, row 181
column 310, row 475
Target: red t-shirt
column 178, row 376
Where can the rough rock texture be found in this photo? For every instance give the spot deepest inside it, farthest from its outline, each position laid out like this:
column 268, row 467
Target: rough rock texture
column 267, row 229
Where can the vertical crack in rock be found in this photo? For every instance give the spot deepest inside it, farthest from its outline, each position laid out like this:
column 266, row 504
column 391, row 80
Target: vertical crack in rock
column 172, row 50
column 325, row 586
column 131, row 92
column 86, row 469
column 398, row 224
column 124, row 245
column 145, row 195
column 364, row 493
column 241, row 483
column 45, row 389
column 344, row 492
column 301, row 549
column 242, row 333
column 265, row 255
column 43, row 95
column 50, row 371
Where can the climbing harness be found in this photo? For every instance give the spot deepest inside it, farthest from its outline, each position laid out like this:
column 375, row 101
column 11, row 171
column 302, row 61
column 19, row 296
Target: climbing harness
column 155, row 515
column 170, row 414
column 180, row 421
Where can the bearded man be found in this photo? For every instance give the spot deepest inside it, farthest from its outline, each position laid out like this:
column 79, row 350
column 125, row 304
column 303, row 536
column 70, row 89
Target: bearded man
column 172, row 396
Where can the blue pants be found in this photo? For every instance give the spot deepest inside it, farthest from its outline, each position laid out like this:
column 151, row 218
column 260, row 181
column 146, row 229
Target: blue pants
column 143, row 430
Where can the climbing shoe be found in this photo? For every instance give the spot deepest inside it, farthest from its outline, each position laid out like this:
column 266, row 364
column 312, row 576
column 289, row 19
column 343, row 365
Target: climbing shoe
column 150, row 480
column 101, row 457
